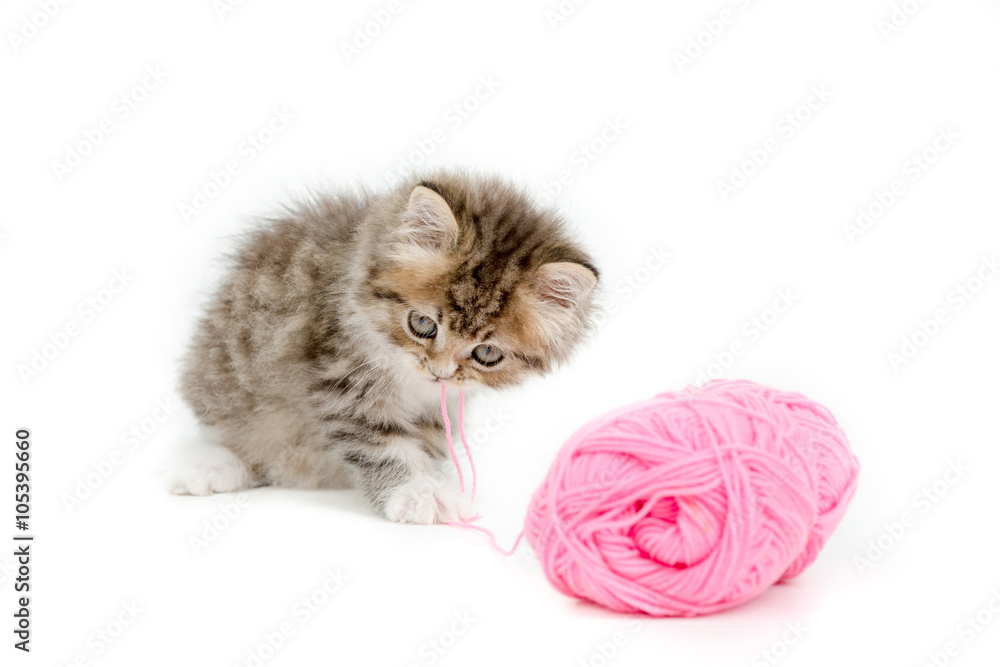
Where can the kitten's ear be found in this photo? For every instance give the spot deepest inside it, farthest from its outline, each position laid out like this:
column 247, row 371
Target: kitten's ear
column 563, row 284
column 428, row 221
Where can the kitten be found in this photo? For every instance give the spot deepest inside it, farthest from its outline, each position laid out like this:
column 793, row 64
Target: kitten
column 320, row 360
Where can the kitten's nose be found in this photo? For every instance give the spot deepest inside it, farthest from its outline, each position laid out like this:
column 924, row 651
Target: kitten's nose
column 443, row 372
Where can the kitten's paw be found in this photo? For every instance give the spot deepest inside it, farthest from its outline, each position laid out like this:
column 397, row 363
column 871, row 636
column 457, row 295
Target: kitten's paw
column 213, row 472
column 427, row 500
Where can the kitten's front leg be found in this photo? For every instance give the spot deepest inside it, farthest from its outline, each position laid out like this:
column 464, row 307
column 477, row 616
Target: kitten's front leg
column 426, row 498
column 405, row 482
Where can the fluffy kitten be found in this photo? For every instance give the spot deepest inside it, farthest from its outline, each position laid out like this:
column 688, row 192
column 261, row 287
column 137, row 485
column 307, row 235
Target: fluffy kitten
column 324, row 351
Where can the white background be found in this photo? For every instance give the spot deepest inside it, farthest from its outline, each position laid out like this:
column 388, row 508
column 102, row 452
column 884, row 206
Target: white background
column 682, row 129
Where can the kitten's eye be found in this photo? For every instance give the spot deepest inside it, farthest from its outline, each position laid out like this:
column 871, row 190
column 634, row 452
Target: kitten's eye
column 422, row 326
column 487, row 355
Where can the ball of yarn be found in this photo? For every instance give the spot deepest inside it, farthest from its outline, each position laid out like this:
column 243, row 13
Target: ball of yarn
column 692, row 503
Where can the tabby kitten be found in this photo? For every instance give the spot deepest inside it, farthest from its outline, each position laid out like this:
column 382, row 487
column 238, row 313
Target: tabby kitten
column 321, row 358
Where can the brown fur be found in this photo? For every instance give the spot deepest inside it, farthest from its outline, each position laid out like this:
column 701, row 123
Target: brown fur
column 305, row 362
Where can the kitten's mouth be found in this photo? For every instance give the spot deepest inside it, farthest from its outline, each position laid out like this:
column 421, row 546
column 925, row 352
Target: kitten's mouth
column 430, row 376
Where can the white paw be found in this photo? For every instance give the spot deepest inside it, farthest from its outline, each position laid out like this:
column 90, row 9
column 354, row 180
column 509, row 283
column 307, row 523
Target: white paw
column 216, row 470
column 425, row 500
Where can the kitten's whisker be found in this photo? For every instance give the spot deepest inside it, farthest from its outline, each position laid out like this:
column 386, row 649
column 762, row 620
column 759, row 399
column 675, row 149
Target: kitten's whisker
column 390, row 383
column 370, row 361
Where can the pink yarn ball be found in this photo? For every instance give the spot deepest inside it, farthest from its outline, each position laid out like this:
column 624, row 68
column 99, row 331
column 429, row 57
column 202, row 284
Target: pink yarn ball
column 692, row 503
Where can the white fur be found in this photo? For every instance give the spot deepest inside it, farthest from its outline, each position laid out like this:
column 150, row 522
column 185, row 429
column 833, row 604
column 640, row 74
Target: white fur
column 427, row 499
column 210, row 469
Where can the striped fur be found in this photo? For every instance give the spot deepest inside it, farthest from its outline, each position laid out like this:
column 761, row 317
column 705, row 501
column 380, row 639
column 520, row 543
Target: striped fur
column 305, row 361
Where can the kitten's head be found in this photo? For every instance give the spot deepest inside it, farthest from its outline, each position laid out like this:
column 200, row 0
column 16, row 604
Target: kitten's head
column 476, row 285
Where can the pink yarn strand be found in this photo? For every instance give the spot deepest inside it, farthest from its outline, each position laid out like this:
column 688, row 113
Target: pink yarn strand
column 467, row 523
column 465, row 443
column 493, row 538
column 447, row 432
